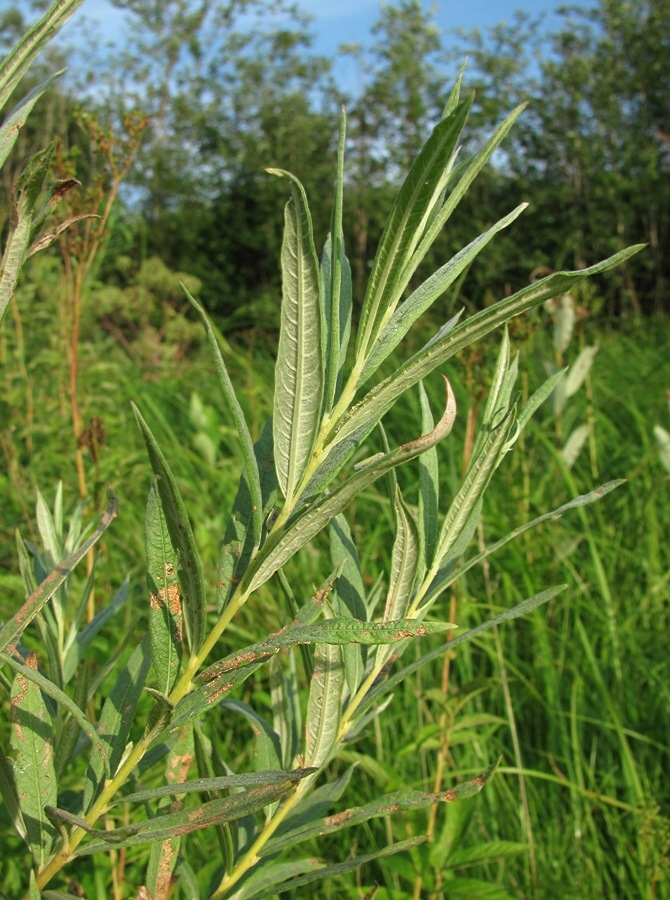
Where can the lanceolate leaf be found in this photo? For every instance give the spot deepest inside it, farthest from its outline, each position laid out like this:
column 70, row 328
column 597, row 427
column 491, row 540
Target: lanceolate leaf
column 583, row 500
column 299, row 375
column 386, row 805
column 118, row 713
column 436, row 352
column 425, row 295
column 163, row 857
column 246, row 443
column 404, row 561
column 34, row 774
column 409, row 217
column 11, row 632
column 521, row 609
column 429, row 487
column 189, row 571
column 337, row 285
column 25, row 52
column 164, row 827
column 51, row 690
column 324, row 706
column 9, row 130
column 474, row 484
column 201, row 785
column 165, row 613
column 318, row 515
column 351, row 865
column 10, row 797
column 338, row 631
column 207, row 696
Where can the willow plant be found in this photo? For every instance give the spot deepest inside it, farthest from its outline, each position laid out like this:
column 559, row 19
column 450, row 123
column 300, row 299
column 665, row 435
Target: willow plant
column 182, row 678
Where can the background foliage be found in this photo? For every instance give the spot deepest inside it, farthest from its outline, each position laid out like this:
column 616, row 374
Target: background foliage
column 575, row 701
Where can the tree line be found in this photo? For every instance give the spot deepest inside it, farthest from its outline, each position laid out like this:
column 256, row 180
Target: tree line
column 206, row 94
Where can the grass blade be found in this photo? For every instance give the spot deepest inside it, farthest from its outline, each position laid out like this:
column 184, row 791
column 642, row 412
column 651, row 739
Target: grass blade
column 189, row 569
column 299, row 374
column 11, row 632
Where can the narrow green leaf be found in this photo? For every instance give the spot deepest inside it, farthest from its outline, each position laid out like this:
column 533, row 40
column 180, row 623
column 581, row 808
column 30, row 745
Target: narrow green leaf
column 267, row 874
column 336, row 632
column 404, row 561
column 305, row 526
column 305, row 820
column 299, row 376
column 239, row 540
column 168, row 825
column 11, row 632
column 583, row 500
column 406, row 225
column 474, row 484
column 10, row 797
column 286, row 711
column 79, row 642
column 351, row 865
column 26, row 219
column 424, row 296
column 324, row 705
column 336, row 285
column 165, row 613
column 52, row 690
column 429, row 487
column 253, row 480
column 436, row 352
column 207, row 696
column 386, row 805
column 267, row 751
column 116, row 718
column 343, row 553
column 189, row 570
column 163, row 856
column 521, row 609
column 21, row 57
column 34, row 774
column 538, row 397
column 202, row 785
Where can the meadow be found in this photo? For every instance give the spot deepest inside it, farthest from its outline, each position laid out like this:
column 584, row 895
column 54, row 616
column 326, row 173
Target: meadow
column 574, row 700
column 365, row 595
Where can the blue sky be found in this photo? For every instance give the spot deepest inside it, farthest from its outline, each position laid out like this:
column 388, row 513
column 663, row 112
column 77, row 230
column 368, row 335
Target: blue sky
column 344, row 21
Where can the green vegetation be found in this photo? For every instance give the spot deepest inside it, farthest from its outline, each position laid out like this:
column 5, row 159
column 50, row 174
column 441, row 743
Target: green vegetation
column 194, row 690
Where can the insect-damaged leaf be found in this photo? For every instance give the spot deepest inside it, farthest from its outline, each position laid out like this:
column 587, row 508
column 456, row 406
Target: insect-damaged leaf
column 34, row 773
column 165, row 613
column 338, row 631
column 164, row 827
